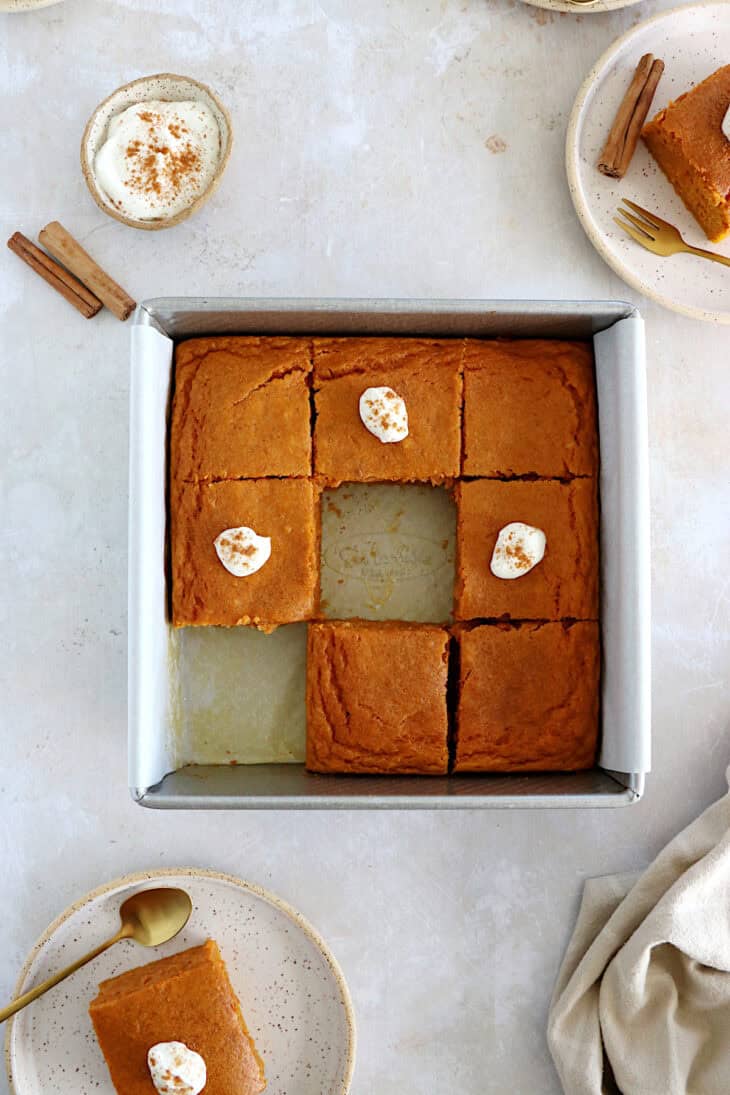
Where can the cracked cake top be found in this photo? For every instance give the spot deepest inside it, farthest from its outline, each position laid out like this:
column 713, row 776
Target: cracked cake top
column 241, row 408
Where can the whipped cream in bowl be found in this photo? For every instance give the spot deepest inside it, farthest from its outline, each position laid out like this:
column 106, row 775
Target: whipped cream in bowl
column 158, row 157
column 155, row 150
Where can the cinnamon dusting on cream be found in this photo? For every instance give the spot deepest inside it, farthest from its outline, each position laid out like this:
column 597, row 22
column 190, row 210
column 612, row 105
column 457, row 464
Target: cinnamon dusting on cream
column 158, row 157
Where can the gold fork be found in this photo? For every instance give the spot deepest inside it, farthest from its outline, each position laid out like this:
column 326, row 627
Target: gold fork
column 657, row 235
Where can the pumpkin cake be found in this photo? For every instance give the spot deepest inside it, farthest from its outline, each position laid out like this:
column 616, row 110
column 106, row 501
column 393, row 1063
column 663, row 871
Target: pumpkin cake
column 283, row 590
column 564, row 584
column 528, row 697
column 424, row 373
column 187, row 998
column 512, row 426
column 687, row 141
column 529, row 409
column 241, row 408
column 376, row 698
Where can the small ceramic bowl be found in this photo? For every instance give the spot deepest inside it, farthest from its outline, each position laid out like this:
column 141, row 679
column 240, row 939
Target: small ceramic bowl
column 164, row 86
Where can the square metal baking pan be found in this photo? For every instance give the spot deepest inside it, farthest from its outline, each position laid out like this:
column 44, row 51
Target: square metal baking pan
column 618, row 338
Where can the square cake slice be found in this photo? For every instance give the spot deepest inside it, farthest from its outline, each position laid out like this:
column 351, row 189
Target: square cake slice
column 687, row 141
column 424, row 373
column 529, row 409
column 528, row 697
column 376, row 698
column 563, row 585
column 219, row 530
column 241, row 408
column 187, row 998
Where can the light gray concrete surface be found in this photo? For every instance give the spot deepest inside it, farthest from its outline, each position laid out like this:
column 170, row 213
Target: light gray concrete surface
column 363, row 164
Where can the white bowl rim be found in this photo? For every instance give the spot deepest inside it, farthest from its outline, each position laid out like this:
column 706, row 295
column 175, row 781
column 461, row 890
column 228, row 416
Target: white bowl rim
column 599, row 7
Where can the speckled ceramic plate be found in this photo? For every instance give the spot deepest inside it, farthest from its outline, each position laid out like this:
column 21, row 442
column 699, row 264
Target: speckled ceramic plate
column 693, row 42
column 294, row 997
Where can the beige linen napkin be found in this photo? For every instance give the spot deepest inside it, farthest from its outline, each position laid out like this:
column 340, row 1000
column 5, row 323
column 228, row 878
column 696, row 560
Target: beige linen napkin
column 643, row 993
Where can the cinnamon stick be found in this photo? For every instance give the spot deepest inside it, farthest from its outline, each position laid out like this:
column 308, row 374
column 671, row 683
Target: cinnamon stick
column 55, row 275
column 64, row 247
column 624, row 133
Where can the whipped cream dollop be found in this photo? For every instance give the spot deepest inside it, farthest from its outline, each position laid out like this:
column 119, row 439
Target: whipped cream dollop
column 242, row 551
column 176, row 1070
column 384, row 413
column 158, row 158
column 519, row 548
column 726, row 124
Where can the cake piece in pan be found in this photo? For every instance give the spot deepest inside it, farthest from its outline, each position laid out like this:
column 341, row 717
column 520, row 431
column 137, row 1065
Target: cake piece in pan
column 241, row 408
column 690, row 140
column 528, row 697
column 188, row 999
column 369, row 391
column 529, row 409
column 244, row 552
column 500, row 527
column 376, row 698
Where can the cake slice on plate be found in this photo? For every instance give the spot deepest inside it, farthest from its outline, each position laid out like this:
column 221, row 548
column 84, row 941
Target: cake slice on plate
column 172, row 1024
column 690, row 140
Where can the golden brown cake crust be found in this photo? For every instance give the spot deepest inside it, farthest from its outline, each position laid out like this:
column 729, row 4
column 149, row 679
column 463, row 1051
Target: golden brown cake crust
column 529, row 409
column 426, row 373
column 529, row 698
column 686, row 140
column 283, row 591
column 241, row 408
column 186, row 998
column 376, row 698
column 564, row 585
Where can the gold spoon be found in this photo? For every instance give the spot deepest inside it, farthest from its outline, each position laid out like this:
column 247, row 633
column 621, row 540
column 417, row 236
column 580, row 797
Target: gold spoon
column 150, row 917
